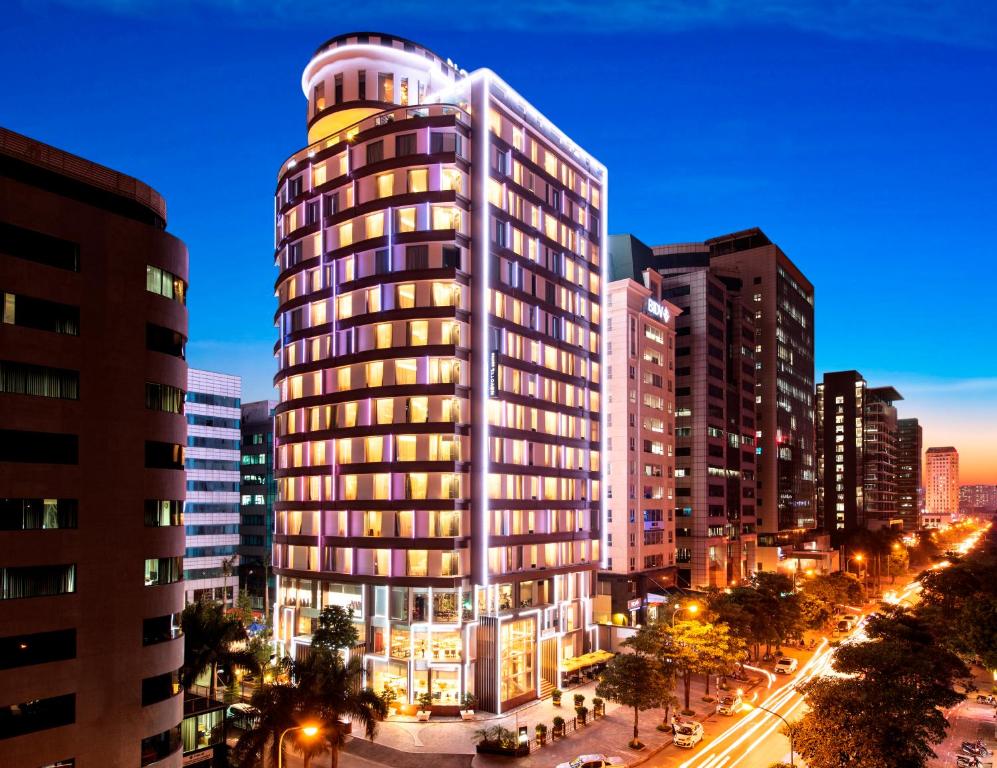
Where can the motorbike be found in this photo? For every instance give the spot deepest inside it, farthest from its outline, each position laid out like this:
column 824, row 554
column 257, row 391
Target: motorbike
column 962, row 761
column 982, row 699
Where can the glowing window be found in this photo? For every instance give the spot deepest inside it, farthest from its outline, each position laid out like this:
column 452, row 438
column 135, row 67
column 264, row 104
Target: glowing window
column 445, row 294
column 418, row 333
column 405, row 219
column 405, row 296
column 446, row 217
column 405, row 448
column 385, row 184
column 416, row 484
column 343, row 379
column 375, row 374
column 374, row 447
column 451, row 178
column 349, row 412
column 416, row 562
column 418, row 180
column 349, row 487
column 345, row 234
column 382, row 335
column 344, row 306
column 418, row 410
column 345, row 451
column 375, row 224
column 384, row 410
column 382, row 486
column 450, row 564
column 405, row 371
column 374, row 299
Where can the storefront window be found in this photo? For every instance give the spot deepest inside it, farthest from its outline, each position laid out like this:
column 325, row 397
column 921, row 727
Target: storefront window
column 518, row 673
column 445, row 607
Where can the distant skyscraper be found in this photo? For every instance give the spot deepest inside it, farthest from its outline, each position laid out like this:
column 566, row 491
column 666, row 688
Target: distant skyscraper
column 258, row 490
column 640, row 445
column 941, row 483
column 856, row 453
column 977, row 498
column 441, row 257
column 211, row 514
column 910, row 450
column 714, row 410
column 93, row 326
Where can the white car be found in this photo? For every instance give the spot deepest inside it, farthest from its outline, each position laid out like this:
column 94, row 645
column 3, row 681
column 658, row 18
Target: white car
column 592, row 761
column 729, row 704
column 688, row 735
column 243, row 715
column 786, row 666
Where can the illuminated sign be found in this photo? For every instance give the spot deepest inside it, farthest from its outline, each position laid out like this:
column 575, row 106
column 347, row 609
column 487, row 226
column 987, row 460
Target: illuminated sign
column 660, row 311
column 634, row 604
column 493, row 374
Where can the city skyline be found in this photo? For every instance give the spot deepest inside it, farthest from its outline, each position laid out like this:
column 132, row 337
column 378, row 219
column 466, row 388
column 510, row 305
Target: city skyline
column 865, row 157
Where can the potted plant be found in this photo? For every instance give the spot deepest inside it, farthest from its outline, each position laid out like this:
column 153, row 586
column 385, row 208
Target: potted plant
column 582, row 713
column 390, row 699
column 467, row 704
column 555, row 696
column 598, row 707
column 579, row 700
column 541, row 734
column 425, row 700
column 558, row 726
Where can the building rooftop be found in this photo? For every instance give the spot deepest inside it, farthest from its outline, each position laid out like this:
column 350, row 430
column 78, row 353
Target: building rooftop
column 20, row 148
column 945, row 449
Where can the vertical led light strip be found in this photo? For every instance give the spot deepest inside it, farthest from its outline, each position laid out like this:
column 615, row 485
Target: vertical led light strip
column 603, row 393
column 484, row 158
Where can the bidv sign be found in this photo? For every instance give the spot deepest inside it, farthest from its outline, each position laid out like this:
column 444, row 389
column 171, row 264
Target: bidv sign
column 660, row 311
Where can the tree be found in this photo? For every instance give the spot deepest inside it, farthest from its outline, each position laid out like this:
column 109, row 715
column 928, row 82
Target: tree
column 327, row 693
column 652, row 641
column 243, row 609
column 694, row 648
column 779, row 608
column 722, row 651
column 336, row 630
column 634, row 680
column 228, row 568
column 211, row 642
column 886, row 712
column 834, row 589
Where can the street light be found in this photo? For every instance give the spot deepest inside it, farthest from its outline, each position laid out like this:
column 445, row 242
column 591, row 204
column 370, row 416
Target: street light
column 789, row 731
column 858, row 559
column 308, row 730
column 692, row 608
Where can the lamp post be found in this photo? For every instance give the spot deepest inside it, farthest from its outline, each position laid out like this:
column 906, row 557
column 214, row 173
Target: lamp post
column 308, row 730
column 858, row 559
column 692, row 608
column 789, row 731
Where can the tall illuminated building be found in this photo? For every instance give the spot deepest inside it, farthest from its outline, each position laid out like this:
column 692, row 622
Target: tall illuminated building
column 941, row 485
column 910, row 451
column 440, row 248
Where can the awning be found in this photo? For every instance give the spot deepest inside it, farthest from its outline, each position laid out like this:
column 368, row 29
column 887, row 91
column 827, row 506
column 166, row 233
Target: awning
column 653, row 598
column 585, row 660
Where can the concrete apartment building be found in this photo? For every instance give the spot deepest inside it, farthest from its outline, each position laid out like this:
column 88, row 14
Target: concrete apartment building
column 857, row 446
column 640, row 451
column 211, row 513
column 258, row 491
column 910, row 460
column 941, row 486
column 92, row 377
column 441, row 257
column 714, row 410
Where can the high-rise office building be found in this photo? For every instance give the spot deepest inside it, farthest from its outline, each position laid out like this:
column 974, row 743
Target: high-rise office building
column 92, row 377
column 640, row 447
column 941, row 484
column 977, row 498
column 258, row 489
column 440, row 256
column 782, row 302
column 910, row 450
column 211, row 514
column 714, row 410
column 857, row 437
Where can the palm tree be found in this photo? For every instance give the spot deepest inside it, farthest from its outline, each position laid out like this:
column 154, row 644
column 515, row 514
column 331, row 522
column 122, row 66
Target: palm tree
column 228, row 568
column 208, row 639
column 328, row 693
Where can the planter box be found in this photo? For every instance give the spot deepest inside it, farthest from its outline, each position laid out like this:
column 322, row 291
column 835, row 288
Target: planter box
column 467, row 714
column 489, row 749
column 423, row 716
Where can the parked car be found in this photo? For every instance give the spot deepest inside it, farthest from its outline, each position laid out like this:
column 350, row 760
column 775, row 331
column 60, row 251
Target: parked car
column 843, row 626
column 688, row 735
column 243, row 715
column 729, row 704
column 592, row 761
column 786, row 666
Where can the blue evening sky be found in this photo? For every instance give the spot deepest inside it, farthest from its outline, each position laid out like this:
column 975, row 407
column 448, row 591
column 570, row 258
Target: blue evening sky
column 859, row 136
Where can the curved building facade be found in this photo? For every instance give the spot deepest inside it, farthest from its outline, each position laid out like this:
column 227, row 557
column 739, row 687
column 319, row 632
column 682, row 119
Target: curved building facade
column 92, row 378
column 439, row 248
